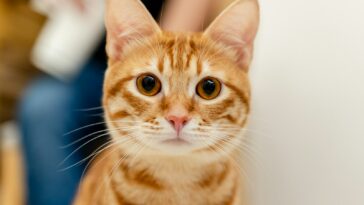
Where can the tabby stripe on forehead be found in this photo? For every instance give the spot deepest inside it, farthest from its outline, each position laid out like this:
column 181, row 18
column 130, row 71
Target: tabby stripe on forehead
column 188, row 60
column 117, row 86
column 180, row 51
column 170, row 51
column 192, row 45
column 189, row 55
column 161, row 64
column 199, row 66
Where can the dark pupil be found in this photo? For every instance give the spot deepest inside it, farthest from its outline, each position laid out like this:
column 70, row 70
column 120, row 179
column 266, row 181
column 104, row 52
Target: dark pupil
column 208, row 86
column 148, row 83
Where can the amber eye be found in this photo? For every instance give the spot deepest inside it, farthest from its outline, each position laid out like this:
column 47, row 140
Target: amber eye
column 148, row 84
column 208, row 88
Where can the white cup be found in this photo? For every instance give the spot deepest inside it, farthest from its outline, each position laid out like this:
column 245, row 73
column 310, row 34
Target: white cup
column 68, row 38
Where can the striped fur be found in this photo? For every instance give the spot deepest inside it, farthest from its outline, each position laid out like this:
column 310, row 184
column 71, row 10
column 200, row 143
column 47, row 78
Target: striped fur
column 139, row 168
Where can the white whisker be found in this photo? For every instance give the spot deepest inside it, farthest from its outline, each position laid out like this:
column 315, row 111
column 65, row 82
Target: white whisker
column 108, row 154
column 84, row 144
column 89, row 109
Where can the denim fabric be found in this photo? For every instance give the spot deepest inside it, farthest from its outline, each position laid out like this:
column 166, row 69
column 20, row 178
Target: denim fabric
column 49, row 109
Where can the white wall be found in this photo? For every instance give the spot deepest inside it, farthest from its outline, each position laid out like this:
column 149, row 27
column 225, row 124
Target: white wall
column 307, row 126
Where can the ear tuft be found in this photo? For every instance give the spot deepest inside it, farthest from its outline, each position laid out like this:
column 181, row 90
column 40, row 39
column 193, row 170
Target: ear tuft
column 126, row 21
column 236, row 28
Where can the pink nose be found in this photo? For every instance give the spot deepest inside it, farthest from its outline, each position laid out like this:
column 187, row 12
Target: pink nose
column 177, row 122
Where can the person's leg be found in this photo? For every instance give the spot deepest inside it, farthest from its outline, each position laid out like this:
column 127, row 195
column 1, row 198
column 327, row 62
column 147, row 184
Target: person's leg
column 49, row 110
column 42, row 117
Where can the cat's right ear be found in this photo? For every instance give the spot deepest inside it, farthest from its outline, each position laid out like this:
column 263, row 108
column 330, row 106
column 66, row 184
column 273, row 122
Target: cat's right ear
column 236, row 28
column 126, row 21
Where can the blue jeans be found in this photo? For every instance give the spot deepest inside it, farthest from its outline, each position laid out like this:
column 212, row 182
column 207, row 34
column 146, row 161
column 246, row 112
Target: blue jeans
column 49, row 109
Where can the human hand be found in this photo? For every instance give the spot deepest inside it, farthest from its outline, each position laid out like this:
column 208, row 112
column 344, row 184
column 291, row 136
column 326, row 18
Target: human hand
column 184, row 15
column 191, row 15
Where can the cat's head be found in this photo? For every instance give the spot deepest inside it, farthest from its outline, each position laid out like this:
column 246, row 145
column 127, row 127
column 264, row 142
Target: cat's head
column 178, row 93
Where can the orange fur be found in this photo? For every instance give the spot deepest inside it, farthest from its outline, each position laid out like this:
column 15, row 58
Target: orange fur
column 139, row 168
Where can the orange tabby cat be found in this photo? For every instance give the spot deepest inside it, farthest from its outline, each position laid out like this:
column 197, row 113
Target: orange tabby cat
column 176, row 105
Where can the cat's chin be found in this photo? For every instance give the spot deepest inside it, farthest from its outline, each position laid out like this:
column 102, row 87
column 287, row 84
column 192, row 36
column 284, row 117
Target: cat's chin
column 176, row 142
column 174, row 146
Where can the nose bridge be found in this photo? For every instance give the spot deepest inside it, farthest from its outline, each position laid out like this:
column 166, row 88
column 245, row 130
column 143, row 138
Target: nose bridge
column 178, row 82
column 177, row 98
column 176, row 104
column 177, row 109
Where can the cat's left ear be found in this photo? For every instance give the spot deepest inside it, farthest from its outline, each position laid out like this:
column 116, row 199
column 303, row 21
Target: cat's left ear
column 126, row 21
column 236, row 28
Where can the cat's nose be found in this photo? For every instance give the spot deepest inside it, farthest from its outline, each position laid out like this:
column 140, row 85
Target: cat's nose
column 177, row 122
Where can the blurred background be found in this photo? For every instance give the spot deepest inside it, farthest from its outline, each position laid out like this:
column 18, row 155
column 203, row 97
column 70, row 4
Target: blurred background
column 307, row 125
column 16, row 71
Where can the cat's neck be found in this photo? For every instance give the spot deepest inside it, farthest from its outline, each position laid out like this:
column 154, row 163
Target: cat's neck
column 153, row 179
column 177, row 169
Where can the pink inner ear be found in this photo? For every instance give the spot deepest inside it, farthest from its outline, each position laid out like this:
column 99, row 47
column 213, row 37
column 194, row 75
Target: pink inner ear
column 124, row 34
column 117, row 39
column 242, row 49
column 126, row 21
column 236, row 27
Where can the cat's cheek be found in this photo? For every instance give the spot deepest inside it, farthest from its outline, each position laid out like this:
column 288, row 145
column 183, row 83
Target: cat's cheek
column 113, row 105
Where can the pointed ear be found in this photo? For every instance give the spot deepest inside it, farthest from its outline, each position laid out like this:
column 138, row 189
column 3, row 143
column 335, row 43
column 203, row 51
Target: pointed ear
column 236, row 28
column 126, row 21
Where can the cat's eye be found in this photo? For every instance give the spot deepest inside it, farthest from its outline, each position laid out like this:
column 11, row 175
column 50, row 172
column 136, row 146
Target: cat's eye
column 148, row 84
column 208, row 88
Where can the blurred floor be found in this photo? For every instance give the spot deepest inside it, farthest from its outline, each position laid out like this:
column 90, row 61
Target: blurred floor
column 11, row 180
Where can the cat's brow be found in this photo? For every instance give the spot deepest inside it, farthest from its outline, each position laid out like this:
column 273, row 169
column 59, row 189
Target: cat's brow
column 119, row 84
